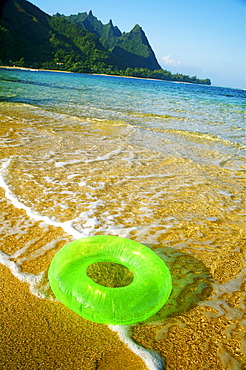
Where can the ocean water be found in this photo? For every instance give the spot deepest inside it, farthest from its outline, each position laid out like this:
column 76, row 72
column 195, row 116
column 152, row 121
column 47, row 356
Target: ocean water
column 160, row 162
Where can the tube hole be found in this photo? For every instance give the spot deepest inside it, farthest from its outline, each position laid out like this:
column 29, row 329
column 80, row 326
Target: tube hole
column 110, row 274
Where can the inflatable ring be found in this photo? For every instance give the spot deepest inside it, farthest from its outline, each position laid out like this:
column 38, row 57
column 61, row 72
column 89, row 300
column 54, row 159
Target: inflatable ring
column 143, row 297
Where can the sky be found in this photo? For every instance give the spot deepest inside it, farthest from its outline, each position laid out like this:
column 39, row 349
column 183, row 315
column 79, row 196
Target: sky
column 203, row 38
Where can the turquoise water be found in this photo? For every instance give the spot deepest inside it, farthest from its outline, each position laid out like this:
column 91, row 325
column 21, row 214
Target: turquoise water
column 162, row 163
column 179, row 113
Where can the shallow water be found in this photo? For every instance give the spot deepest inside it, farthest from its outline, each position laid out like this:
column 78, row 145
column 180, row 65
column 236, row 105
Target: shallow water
column 159, row 162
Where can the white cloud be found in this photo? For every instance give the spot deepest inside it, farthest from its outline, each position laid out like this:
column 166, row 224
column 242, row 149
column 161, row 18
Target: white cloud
column 168, row 60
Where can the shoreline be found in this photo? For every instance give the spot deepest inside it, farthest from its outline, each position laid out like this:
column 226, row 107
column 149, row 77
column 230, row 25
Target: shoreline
column 99, row 74
column 90, row 74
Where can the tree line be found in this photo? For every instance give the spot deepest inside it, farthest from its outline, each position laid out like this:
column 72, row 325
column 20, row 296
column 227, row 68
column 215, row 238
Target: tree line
column 73, row 63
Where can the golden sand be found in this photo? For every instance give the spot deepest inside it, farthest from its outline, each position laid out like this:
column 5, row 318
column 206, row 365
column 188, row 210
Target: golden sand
column 41, row 334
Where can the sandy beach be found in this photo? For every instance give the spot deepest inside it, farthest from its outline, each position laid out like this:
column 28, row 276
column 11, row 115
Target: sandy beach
column 40, row 334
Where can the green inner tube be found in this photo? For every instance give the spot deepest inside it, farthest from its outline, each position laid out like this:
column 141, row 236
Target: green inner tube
column 146, row 293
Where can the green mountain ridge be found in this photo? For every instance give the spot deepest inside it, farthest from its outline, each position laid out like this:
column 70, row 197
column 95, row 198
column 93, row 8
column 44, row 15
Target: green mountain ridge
column 132, row 46
column 78, row 43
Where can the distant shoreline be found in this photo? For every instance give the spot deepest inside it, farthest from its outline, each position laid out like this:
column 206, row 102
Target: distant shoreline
column 92, row 74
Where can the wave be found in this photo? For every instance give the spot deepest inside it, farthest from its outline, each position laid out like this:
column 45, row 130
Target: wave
column 158, row 116
column 200, row 137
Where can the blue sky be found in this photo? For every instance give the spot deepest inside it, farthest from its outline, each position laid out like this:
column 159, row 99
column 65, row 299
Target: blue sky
column 203, row 38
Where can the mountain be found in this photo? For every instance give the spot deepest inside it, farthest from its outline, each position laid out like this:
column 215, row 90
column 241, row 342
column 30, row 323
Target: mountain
column 35, row 39
column 27, row 33
column 132, row 47
column 78, row 43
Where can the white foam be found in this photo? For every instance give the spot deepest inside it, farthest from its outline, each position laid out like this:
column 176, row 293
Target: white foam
column 62, row 164
column 66, row 226
column 220, row 304
column 46, row 178
column 41, row 251
column 82, row 183
column 22, row 250
column 25, row 277
column 151, row 359
column 73, row 176
column 104, row 157
column 225, row 193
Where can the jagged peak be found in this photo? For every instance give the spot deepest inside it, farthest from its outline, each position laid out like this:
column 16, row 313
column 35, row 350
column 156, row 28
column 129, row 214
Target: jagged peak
column 137, row 28
column 92, row 18
column 132, row 45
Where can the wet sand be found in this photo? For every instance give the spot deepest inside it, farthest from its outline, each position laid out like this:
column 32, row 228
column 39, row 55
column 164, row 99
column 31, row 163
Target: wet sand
column 41, row 334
